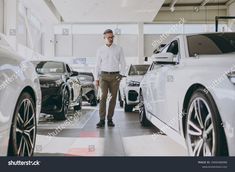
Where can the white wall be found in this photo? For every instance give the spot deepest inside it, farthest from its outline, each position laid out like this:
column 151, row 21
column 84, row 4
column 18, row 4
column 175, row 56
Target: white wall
column 86, row 45
column 1, row 16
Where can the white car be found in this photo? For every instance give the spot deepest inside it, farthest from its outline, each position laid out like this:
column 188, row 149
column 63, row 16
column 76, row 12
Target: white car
column 20, row 98
column 129, row 86
column 189, row 93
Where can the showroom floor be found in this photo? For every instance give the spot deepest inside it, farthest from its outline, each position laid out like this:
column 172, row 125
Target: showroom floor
column 78, row 136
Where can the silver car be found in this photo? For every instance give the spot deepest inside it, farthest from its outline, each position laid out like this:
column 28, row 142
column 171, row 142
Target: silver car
column 20, row 98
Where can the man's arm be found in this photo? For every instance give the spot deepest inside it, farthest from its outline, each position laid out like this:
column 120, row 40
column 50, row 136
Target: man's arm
column 97, row 68
column 122, row 63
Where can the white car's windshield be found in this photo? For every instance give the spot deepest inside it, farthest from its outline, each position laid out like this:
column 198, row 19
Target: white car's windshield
column 209, row 44
column 46, row 67
column 138, row 69
column 86, row 78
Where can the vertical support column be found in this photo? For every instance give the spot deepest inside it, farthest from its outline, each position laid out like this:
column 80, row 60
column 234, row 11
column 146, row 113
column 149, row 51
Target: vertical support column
column 141, row 43
column 10, row 21
column 48, row 41
column 1, row 15
column 231, row 12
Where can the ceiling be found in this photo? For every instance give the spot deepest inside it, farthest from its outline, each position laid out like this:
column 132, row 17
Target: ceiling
column 102, row 11
column 195, row 2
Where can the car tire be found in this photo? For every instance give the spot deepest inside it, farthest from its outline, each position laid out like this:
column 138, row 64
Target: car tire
column 93, row 99
column 142, row 113
column 204, row 132
column 94, row 102
column 23, row 129
column 120, row 99
column 127, row 108
column 78, row 107
column 65, row 105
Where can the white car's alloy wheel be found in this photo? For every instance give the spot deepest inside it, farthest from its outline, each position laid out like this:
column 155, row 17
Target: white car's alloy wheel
column 23, row 131
column 200, row 129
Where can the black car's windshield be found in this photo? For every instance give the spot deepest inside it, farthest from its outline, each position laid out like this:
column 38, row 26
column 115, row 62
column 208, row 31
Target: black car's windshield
column 50, row 67
column 209, row 44
column 138, row 69
column 85, row 78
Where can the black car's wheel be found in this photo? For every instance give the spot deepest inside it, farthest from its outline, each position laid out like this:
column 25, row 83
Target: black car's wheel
column 142, row 114
column 94, row 102
column 204, row 132
column 79, row 107
column 120, row 99
column 23, row 128
column 65, row 104
column 127, row 108
column 92, row 99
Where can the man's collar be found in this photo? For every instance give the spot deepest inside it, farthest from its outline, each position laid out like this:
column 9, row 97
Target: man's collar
column 110, row 45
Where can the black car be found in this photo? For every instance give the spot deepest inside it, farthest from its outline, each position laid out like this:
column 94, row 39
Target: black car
column 89, row 92
column 60, row 88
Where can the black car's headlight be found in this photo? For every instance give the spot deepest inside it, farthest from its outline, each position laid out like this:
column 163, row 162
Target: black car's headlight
column 52, row 84
column 231, row 76
column 133, row 83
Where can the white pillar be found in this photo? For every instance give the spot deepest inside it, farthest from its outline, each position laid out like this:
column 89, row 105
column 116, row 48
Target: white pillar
column 10, row 21
column 48, row 41
column 141, row 43
column 1, row 15
column 231, row 12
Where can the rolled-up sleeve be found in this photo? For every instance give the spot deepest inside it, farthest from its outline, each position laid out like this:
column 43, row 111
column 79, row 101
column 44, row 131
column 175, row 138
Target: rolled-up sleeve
column 98, row 65
column 122, row 62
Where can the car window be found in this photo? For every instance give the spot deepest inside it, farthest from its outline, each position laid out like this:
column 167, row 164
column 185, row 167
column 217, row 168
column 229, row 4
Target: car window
column 86, row 78
column 209, row 44
column 47, row 67
column 173, row 48
column 138, row 69
column 165, row 48
column 68, row 69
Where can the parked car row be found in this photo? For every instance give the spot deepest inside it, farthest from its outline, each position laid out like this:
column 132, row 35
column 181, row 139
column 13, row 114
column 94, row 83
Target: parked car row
column 89, row 91
column 60, row 88
column 129, row 86
column 29, row 88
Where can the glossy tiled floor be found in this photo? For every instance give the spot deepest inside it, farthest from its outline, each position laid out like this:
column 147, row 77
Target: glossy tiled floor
column 78, row 136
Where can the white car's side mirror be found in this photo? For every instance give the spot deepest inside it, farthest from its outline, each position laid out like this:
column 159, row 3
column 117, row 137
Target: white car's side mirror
column 165, row 58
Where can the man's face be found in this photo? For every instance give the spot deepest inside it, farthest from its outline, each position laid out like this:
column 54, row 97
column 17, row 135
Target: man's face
column 108, row 38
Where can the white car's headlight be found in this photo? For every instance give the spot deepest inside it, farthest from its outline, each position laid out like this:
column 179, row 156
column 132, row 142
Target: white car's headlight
column 231, row 76
column 133, row 83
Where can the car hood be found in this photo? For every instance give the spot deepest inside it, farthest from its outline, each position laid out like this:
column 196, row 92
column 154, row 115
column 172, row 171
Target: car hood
column 49, row 78
column 87, row 83
column 137, row 78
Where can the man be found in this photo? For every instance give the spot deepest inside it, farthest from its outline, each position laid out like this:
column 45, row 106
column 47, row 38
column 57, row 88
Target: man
column 110, row 68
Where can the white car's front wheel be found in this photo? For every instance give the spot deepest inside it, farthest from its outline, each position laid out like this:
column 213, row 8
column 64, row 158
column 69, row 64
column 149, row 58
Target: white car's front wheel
column 204, row 132
column 23, row 129
column 142, row 114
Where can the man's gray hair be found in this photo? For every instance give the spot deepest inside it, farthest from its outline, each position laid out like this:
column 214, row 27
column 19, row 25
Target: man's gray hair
column 108, row 31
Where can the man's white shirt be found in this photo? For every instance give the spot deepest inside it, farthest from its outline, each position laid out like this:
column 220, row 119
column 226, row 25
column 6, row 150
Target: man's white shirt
column 110, row 59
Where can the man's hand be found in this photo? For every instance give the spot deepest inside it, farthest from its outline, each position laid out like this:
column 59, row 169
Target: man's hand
column 97, row 83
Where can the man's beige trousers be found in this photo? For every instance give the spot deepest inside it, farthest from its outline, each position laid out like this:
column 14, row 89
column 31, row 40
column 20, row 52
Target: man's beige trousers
column 108, row 83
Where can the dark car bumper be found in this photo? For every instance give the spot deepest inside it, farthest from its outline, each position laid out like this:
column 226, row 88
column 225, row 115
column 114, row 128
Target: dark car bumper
column 51, row 100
